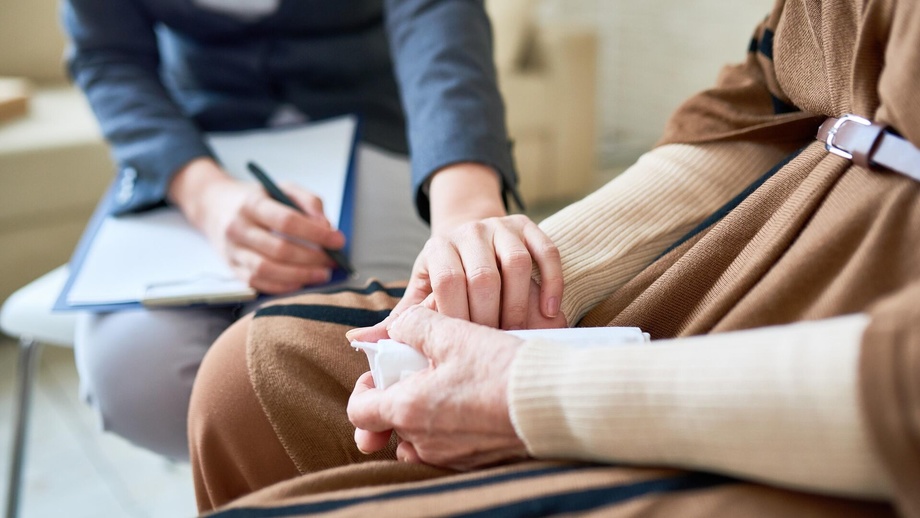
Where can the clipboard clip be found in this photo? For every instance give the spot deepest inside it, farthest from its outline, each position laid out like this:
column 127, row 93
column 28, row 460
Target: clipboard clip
column 204, row 288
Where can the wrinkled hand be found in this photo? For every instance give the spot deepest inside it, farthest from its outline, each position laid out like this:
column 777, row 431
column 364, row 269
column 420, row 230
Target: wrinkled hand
column 453, row 414
column 267, row 244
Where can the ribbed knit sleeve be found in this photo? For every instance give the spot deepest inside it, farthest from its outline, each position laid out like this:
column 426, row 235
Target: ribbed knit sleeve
column 778, row 405
column 609, row 236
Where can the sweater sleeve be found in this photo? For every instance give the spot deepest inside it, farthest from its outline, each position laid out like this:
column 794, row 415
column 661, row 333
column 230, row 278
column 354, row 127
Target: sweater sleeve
column 777, row 405
column 611, row 235
column 442, row 50
column 114, row 58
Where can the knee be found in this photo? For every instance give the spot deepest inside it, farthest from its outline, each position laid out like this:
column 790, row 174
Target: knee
column 138, row 381
column 222, row 394
column 232, row 447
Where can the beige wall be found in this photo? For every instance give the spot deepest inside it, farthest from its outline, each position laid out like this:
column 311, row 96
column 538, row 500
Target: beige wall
column 654, row 54
column 31, row 40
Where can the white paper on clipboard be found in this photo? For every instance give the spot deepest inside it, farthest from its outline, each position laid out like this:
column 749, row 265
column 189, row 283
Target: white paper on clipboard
column 158, row 258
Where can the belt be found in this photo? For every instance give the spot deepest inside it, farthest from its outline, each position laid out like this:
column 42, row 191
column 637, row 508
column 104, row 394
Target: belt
column 870, row 145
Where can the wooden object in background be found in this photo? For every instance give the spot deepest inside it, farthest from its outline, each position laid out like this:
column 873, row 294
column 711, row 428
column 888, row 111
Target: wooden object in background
column 14, row 98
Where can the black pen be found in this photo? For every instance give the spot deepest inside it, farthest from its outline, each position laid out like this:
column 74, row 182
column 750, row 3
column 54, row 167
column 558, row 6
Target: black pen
column 278, row 195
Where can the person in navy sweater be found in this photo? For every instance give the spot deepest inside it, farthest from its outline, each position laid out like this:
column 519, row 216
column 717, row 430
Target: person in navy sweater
column 160, row 73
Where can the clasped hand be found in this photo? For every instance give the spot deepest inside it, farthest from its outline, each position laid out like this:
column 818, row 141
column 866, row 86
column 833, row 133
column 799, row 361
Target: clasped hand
column 453, row 414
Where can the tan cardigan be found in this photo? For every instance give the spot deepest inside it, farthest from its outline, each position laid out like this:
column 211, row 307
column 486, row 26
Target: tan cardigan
column 836, row 396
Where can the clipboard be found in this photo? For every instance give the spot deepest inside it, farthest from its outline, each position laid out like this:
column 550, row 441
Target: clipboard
column 158, row 259
column 203, row 289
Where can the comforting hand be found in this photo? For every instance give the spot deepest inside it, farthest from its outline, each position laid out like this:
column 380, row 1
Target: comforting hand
column 477, row 265
column 273, row 247
column 481, row 271
column 534, row 319
column 453, row 414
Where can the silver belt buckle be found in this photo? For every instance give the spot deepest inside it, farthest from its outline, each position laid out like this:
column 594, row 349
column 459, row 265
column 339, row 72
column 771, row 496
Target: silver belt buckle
column 831, row 133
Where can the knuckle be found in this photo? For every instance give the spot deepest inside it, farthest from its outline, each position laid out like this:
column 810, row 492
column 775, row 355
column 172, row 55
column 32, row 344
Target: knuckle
column 259, row 267
column 435, row 242
column 287, row 224
column 549, row 251
column 517, row 258
column 280, row 249
column 420, row 284
column 233, row 231
column 252, row 200
column 483, row 278
column 407, row 414
column 446, row 279
column 520, row 219
column 474, row 228
column 243, row 274
column 517, row 309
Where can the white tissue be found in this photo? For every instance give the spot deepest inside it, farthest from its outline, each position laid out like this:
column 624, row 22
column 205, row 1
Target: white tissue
column 392, row 361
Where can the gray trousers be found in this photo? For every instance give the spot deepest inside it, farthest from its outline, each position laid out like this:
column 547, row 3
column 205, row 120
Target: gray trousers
column 137, row 366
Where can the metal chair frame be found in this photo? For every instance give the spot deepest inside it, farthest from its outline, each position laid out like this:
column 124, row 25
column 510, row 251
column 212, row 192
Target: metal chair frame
column 27, row 365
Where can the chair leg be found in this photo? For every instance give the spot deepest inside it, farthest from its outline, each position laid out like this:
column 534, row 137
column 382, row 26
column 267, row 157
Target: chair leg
column 29, row 352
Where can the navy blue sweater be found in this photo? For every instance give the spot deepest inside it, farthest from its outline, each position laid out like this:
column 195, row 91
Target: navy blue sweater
column 158, row 73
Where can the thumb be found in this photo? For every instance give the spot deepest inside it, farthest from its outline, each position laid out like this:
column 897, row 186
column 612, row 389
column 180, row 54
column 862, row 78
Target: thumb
column 431, row 333
column 418, row 287
column 379, row 331
column 375, row 333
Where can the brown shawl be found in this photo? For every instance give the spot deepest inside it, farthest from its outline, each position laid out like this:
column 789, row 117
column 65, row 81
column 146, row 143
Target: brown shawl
column 820, row 237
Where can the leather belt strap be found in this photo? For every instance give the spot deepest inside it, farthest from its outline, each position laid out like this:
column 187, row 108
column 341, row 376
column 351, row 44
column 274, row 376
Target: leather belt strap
column 870, row 145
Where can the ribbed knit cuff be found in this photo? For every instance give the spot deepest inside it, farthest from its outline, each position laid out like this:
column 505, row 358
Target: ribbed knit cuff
column 777, row 405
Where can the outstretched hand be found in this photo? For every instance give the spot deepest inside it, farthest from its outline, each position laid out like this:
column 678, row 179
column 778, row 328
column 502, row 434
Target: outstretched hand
column 453, row 414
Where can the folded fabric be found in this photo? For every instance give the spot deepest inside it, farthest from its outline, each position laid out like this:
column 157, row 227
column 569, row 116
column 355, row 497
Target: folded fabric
column 391, row 361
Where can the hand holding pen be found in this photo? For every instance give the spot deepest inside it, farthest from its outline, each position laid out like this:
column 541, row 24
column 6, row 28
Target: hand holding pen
column 248, row 228
column 278, row 195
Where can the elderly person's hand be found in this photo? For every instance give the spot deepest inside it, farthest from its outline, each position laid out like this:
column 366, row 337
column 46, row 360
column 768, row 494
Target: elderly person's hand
column 453, row 414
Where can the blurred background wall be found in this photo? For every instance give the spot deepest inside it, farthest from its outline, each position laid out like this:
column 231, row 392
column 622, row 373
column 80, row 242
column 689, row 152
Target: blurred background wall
column 652, row 55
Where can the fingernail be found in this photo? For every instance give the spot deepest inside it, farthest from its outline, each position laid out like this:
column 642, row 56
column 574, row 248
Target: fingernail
column 323, row 276
column 357, row 432
column 552, row 307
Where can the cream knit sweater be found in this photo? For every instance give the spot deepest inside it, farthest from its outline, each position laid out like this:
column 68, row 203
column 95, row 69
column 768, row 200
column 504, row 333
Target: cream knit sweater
column 781, row 409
